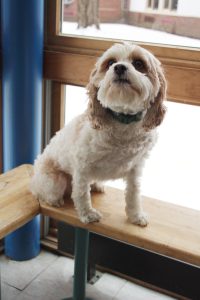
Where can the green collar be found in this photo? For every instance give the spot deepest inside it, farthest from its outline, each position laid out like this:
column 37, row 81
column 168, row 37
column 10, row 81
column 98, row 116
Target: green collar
column 126, row 118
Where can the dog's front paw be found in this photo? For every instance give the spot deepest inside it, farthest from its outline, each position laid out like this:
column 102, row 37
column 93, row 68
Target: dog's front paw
column 139, row 219
column 92, row 215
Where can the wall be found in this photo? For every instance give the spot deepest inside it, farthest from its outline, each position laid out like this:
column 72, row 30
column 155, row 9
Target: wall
column 180, row 25
column 189, row 8
column 109, row 11
column 138, row 5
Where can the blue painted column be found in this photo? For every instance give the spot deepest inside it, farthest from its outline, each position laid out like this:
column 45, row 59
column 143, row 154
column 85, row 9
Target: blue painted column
column 22, row 59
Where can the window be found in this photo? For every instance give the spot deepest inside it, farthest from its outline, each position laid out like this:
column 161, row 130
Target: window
column 170, row 5
column 160, row 23
column 174, row 4
column 158, row 171
column 166, row 4
column 155, row 4
column 149, row 3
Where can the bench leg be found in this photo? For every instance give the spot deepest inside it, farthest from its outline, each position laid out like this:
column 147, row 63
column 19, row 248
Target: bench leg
column 80, row 264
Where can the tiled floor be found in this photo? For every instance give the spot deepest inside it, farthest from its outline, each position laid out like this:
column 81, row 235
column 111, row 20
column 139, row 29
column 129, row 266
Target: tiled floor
column 49, row 277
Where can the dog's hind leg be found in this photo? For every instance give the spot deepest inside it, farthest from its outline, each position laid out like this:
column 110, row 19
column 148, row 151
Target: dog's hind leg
column 49, row 183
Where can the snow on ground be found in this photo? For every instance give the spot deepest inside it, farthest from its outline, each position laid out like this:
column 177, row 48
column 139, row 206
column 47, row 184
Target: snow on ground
column 129, row 32
column 172, row 171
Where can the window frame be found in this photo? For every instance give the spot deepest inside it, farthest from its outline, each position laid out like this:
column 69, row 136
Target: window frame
column 64, row 54
column 162, row 8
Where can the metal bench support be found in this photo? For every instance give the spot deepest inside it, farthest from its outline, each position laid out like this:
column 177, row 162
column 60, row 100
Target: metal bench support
column 80, row 264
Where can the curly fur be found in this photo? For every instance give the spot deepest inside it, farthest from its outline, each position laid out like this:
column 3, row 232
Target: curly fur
column 95, row 147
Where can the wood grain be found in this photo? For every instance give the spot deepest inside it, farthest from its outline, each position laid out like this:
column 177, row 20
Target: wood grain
column 68, row 68
column 57, row 107
column 173, row 230
column 17, row 205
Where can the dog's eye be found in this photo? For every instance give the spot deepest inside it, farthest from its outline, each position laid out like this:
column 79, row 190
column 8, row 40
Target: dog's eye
column 111, row 62
column 139, row 65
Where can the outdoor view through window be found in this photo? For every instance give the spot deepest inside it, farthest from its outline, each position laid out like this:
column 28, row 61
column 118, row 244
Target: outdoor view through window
column 174, row 22
column 172, row 170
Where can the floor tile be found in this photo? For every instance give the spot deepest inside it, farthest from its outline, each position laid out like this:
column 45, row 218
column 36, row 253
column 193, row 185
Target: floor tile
column 106, row 287
column 131, row 291
column 50, row 277
column 54, row 283
column 8, row 292
column 20, row 274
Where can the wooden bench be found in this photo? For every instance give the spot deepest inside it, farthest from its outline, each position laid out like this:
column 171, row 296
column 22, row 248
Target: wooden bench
column 173, row 230
column 17, row 205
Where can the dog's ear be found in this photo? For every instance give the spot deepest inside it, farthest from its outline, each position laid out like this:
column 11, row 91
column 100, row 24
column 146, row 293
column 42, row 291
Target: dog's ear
column 156, row 111
column 96, row 112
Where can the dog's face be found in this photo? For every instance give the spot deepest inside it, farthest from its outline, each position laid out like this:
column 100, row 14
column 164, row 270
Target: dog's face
column 128, row 79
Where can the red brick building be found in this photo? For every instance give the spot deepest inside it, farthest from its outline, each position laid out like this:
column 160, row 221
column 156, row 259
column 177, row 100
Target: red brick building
column 109, row 11
column 181, row 17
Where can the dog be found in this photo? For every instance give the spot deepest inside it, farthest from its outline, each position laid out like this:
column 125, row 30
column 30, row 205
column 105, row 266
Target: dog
column 111, row 139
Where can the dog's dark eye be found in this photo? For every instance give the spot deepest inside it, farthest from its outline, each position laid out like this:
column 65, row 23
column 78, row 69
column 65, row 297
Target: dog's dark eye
column 139, row 65
column 111, row 62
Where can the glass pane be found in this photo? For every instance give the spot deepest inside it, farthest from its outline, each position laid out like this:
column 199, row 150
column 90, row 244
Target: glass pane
column 174, row 4
column 76, row 102
column 166, row 5
column 174, row 22
column 149, row 3
column 155, row 4
column 171, row 172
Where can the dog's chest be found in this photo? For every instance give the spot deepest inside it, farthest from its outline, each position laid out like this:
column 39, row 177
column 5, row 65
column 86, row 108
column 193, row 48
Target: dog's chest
column 112, row 161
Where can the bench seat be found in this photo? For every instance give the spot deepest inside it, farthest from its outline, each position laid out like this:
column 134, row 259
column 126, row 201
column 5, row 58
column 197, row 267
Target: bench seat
column 173, row 230
column 17, row 205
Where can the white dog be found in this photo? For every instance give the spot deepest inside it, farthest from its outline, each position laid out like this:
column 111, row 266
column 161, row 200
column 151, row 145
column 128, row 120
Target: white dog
column 111, row 139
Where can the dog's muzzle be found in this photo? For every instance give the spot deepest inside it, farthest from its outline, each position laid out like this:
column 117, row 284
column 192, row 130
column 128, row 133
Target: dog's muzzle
column 120, row 69
column 120, row 74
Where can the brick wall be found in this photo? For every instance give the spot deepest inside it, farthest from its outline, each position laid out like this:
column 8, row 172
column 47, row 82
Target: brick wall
column 109, row 11
column 185, row 26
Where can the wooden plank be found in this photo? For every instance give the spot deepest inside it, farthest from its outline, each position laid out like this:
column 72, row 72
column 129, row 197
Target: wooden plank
column 68, row 68
column 57, row 107
column 183, row 81
column 17, row 205
column 173, row 230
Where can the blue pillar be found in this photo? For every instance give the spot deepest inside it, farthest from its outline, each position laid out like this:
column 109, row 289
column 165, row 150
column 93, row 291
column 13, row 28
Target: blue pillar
column 22, row 59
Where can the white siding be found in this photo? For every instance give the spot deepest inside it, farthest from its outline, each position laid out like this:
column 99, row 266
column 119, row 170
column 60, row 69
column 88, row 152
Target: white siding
column 189, row 8
column 138, row 5
column 185, row 7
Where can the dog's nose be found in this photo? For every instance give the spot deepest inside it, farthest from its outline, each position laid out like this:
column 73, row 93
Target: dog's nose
column 120, row 69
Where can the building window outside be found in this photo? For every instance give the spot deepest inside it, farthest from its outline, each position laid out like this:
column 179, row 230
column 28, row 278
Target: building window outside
column 149, row 3
column 170, row 5
column 174, row 4
column 155, row 4
column 166, row 4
